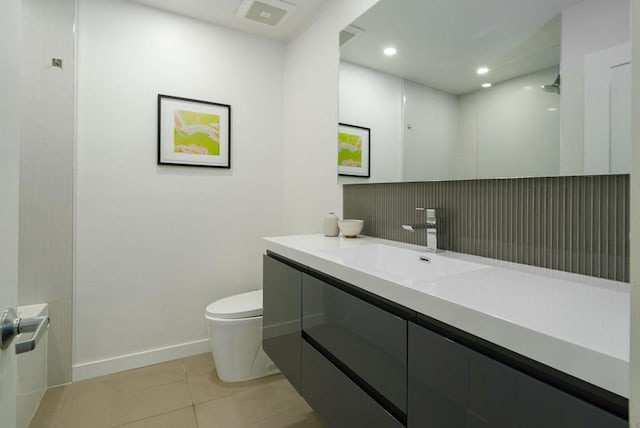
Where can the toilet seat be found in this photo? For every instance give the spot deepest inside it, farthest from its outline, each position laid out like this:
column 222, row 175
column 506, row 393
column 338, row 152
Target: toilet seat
column 245, row 305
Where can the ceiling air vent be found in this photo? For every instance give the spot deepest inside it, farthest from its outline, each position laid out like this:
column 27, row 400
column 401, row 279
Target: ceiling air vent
column 267, row 12
column 348, row 34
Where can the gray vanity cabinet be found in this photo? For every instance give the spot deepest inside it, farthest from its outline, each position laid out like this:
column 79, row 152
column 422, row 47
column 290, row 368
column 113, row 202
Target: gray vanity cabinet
column 336, row 398
column 368, row 340
column 541, row 405
column 362, row 361
column 452, row 386
column 282, row 307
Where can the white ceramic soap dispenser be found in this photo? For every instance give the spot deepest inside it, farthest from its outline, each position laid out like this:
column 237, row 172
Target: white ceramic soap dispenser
column 330, row 226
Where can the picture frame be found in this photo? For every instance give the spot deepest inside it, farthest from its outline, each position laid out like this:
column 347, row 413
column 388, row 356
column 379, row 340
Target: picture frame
column 193, row 132
column 354, row 150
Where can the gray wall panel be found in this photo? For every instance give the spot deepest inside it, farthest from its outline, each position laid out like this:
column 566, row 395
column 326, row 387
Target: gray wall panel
column 47, row 155
column 574, row 224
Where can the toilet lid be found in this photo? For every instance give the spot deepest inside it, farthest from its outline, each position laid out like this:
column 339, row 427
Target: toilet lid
column 243, row 305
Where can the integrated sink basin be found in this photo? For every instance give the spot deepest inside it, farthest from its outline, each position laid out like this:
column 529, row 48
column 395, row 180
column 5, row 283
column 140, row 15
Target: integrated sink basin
column 400, row 264
column 576, row 324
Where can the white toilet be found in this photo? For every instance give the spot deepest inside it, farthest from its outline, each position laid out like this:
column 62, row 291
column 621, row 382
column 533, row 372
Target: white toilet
column 235, row 333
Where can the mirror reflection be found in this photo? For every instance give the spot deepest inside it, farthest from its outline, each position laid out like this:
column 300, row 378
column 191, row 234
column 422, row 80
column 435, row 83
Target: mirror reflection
column 499, row 88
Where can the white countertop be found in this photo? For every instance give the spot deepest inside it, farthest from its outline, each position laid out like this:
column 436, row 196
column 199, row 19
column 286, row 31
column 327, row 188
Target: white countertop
column 574, row 323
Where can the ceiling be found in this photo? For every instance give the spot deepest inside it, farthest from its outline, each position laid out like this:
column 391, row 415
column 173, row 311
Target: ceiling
column 223, row 12
column 441, row 43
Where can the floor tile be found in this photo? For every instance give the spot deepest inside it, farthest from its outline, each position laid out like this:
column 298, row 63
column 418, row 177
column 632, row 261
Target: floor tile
column 128, row 382
column 250, row 406
column 145, row 377
column 205, row 386
column 152, row 401
column 99, row 387
column 199, row 365
column 94, row 413
column 181, row 393
column 94, row 404
column 51, row 403
column 298, row 418
column 221, row 413
column 182, row 418
column 269, row 399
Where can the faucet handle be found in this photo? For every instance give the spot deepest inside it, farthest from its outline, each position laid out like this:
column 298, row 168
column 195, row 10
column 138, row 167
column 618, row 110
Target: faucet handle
column 432, row 214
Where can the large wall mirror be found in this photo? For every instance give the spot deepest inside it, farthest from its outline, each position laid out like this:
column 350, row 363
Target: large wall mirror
column 470, row 89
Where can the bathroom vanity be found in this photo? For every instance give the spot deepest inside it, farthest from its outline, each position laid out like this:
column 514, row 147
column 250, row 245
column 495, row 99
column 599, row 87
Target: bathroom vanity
column 373, row 335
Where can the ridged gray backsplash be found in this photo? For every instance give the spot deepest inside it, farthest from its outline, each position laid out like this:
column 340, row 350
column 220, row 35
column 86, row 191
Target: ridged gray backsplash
column 574, row 224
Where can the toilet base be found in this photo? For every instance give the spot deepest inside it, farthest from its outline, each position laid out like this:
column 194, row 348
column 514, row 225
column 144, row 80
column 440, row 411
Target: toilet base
column 237, row 351
column 262, row 367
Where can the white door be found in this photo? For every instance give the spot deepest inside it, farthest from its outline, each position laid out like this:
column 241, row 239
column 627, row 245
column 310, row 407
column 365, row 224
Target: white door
column 607, row 110
column 10, row 30
column 621, row 142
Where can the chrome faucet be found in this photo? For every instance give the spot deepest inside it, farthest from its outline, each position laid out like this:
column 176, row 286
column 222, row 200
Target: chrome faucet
column 431, row 225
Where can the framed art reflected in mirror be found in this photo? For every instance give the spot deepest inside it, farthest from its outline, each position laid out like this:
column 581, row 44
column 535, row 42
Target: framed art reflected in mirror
column 354, row 150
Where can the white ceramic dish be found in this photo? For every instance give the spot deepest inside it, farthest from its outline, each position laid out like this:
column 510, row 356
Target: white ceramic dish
column 350, row 228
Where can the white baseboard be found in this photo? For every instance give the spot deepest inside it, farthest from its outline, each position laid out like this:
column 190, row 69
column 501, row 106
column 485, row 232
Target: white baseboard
column 138, row 359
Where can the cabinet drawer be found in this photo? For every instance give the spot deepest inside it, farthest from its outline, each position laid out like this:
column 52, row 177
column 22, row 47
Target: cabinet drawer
column 438, row 380
column 282, row 306
column 368, row 340
column 339, row 401
column 541, row 405
column 452, row 386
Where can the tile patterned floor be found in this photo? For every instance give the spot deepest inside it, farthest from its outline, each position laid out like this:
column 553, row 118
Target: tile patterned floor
column 184, row 393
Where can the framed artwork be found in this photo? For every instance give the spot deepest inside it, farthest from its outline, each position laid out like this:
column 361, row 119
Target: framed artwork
column 193, row 132
column 354, row 150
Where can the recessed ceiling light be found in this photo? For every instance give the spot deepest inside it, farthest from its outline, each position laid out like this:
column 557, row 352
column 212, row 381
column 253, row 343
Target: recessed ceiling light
column 390, row 51
column 482, row 70
column 486, row 85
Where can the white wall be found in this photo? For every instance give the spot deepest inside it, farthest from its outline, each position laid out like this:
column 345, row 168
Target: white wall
column 373, row 99
column 509, row 130
column 155, row 244
column 587, row 27
column 311, row 118
column 518, row 127
column 634, row 404
column 386, row 104
column 463, row 160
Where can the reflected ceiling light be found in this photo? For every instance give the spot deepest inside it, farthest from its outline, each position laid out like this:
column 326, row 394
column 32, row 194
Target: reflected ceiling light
column 482, row 70
column 390, row 51
column 486, row 85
